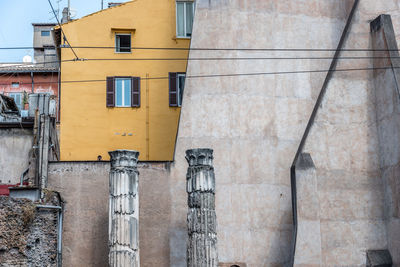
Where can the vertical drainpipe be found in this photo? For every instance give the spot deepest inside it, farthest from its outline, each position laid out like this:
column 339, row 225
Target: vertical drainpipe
column 201, row 218
column 33, row 86
column 59, row 90
column 123, row 222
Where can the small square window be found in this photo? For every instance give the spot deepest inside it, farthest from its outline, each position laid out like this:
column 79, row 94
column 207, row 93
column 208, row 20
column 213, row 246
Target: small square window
column 123, row 43
column 122, row 92
column 45, row 33
column 15, row 84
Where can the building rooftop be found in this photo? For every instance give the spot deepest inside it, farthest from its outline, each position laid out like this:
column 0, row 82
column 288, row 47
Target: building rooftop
column 44, row 24
column 25, row 67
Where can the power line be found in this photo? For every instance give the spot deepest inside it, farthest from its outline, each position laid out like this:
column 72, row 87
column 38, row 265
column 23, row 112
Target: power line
column 59, row 24
column 195, row 59
column 229, row 75
column 233, row 58
column 215, row 49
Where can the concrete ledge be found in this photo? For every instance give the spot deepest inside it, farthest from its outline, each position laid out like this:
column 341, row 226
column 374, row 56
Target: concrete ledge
column 31, row 193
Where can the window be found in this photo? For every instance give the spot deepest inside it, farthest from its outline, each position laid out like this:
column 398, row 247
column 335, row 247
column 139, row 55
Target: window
column 176, row 87
column 15, row 84
column 17, row 99
column 45, row 33
column 184, row 19
column 122, row 43
column 123, row 92
column 48, row 51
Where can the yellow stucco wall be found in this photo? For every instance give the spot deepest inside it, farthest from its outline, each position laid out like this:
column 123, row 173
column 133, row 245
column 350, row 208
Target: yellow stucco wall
column 88, row 128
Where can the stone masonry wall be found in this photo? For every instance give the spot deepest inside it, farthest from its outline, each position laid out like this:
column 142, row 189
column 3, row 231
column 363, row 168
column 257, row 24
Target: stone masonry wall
column 28, row 236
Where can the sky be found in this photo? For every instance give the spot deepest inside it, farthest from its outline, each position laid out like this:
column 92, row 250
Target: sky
column 17, row 16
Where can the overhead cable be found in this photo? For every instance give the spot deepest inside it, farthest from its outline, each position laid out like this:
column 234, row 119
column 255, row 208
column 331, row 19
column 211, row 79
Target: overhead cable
column 227, row 75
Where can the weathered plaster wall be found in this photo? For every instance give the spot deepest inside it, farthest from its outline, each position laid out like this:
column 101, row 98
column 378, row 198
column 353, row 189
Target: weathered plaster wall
column 84, row 188
column 388, row 124
column 344, row 146
column 15, row 145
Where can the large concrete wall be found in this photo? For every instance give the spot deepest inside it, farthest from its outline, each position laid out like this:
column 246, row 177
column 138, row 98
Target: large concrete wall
column 345, row 147
column 84, row 188
column 388, row 124
column 253, row 123
column 15, row 145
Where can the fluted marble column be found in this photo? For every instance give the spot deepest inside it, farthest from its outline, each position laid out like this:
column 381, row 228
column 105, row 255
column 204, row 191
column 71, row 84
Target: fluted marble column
column 124, row 209
column 201, row 218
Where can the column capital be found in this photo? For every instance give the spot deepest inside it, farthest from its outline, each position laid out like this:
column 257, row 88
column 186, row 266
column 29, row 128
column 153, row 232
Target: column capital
column 199, row 156
column 124, row 158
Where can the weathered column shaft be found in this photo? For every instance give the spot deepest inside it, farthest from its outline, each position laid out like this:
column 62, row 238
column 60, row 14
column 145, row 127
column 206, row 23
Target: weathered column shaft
column 201, row 218
column 124, row 209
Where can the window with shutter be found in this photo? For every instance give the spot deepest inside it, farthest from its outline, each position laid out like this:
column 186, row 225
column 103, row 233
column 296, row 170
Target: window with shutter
column 123, row 91
column 110, row 99
column 172, row 90
column 176, row 87
column 135, row 101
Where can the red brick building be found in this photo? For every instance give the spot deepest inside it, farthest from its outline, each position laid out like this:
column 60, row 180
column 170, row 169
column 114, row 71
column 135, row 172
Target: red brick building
column 17, row 80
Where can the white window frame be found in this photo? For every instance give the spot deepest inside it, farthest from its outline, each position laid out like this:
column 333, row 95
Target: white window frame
column 116, row 45
column 184, row 19
column 178, row 91
column 15, row 84
column 123, row 93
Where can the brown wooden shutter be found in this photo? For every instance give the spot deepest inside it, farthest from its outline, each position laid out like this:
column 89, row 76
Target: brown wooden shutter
column 135, row 89
column 173, row 100
column 110, row 99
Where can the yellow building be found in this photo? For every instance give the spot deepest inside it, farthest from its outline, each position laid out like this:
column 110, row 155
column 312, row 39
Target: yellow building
column 113, row 97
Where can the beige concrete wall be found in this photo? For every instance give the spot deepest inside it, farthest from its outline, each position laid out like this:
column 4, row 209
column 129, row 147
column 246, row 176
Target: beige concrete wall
column 84, row 188
column 344, row 146
column 388, row 124
column 308, row 241
column 253, row 123
column 15, row 145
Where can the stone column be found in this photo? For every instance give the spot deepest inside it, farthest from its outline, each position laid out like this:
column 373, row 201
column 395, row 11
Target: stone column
column 201, row 218
column 123, row 219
